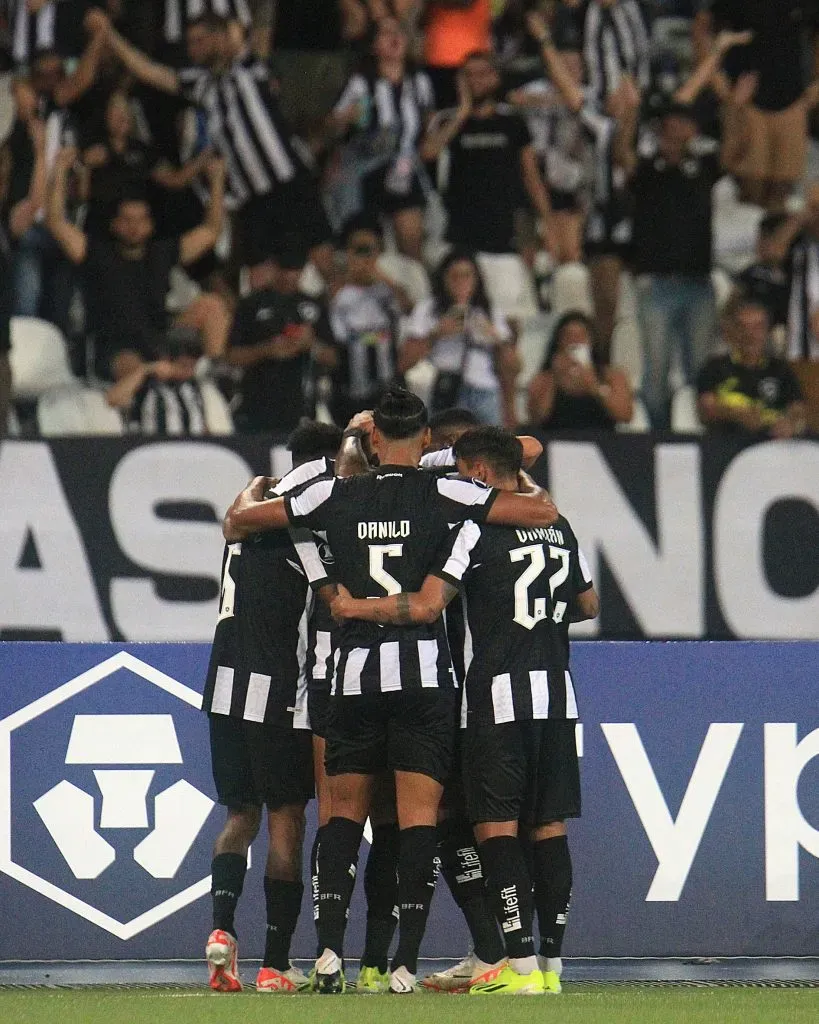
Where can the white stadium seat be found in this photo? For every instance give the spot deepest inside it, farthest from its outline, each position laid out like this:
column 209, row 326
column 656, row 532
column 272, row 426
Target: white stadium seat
column 39, row 358
column 408, row 273
column 509, row 285
column 76, row 410
column 684, row 417
column 639, row 423
column 217, row 412
column 571, row 289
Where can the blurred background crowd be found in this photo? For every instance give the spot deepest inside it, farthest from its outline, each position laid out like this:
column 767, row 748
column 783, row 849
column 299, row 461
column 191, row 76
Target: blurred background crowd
column 223, row 215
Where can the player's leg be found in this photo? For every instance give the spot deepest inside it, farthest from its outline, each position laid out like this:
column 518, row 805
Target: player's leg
column 324, row 811
column 558, row 798
column 283, row 773
column 355, row 754
column 421, row 728
column 496, row 769
column 235, row 789
column 380, row 888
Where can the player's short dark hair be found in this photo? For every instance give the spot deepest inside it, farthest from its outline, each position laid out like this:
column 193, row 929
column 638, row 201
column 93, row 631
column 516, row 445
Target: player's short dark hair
column 312, row 440
column 453, row 418
column 495, row 446
column 400, row 414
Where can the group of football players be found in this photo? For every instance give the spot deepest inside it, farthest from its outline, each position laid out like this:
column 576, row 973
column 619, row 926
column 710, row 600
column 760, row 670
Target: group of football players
column 393, row 639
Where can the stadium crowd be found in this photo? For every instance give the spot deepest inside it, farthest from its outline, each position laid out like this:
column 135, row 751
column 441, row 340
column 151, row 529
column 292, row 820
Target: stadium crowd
column 232, row 214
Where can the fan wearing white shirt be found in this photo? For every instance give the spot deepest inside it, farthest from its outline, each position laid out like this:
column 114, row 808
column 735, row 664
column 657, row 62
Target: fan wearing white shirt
column 470, row 345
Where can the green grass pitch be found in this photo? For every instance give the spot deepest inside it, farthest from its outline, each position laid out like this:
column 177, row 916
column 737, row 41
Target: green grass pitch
column 581, row 1004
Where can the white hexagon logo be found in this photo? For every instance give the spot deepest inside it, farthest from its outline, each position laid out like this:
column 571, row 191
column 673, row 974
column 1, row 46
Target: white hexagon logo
column 67, row 811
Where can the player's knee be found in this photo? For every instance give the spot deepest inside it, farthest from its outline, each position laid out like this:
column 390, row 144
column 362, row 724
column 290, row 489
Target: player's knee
column 551, row 830
column 243, row 823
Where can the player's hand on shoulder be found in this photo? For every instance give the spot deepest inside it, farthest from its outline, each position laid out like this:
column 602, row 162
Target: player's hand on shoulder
column 341, row 605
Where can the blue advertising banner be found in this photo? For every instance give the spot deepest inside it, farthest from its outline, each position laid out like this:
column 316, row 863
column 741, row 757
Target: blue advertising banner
column 699, row 835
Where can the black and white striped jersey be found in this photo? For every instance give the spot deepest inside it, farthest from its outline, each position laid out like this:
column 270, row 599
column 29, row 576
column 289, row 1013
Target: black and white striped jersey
column 615, row 44
column 516, row 664
column 395, row 113
column 258, row 663
column 55, row 28
column 178, row 14
column 246, row 126
column 169, row 408
column 572, row 576
column 386, row 530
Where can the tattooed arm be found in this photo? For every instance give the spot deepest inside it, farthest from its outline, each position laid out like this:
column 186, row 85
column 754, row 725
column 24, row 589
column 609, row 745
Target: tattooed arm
column 424, row 606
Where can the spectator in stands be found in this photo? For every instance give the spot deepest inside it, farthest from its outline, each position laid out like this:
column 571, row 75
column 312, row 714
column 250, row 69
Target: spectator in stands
column 271, row 181
column 164, row 396
column 5, row 344
column 517, row 52
column 121, row 164
column 766, row 280
column 672, row 183
column 747, row 391
column 365, row 313
column 384, row 109
column 803, row 284
column 279, row 335
column 574, row 390
column 609, row 136
column 453, row 29
column 471, row 347
column 616, row 44
column 126, row 277
column 48, row 26
column 775, row 158
column 493, row 165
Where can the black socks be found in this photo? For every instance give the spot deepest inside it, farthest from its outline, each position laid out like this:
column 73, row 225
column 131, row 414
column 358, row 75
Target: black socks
column 381, row 889
column 552, row 877
column 509, row 891
column 283, row 901
column 461, row 867
column 227, row 879
column 416, row 884
column 336, row 860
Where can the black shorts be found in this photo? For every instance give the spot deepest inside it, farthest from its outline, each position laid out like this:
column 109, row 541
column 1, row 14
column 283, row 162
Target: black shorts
column 379, row 199
column 609, row 232
column 563, row 201
column 453, row 800
column 522, row 771
column 294, row 209
column 318, row 705
column 256, row 763
column 406, row 732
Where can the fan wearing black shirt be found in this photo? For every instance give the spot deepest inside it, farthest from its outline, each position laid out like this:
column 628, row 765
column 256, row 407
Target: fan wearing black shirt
column 277, row 334
column 520, row 754
column 493, row 164
column 394, row 695
column 261, row 747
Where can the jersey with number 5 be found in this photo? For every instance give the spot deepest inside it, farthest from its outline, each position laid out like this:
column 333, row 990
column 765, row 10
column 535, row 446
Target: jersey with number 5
column 517, row 666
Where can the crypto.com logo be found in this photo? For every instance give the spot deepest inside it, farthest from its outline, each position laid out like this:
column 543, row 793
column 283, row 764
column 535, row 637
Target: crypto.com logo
column 68, row 811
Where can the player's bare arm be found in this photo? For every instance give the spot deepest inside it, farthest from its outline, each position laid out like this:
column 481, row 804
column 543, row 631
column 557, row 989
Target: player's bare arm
column 422, row 607
column 586, row 606
column 252, row 513
column 530, row 505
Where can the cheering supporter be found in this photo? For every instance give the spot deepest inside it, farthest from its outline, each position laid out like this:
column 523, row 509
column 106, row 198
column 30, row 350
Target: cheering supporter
column 269, row 174
column 673, row 178
column 453, row 29
column 470, row 345
column 487, row 143
column 766, row 279
column 574, row 391
column 364, row 313
column 747, row 391
column 278, row 334
column 383, row 110
column 775, row 55
column 126, row 277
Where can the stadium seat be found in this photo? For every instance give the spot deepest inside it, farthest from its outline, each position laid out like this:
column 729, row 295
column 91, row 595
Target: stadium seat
column 217, row 412
column 509, row 285
column 571, row 290
column 39, row 358
column 736, row 226
column 420, row 379
column 409, row 273
column 76, row 410
column 723, row 287
column 684, row 417
column 639, row 423
column 13, row 424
